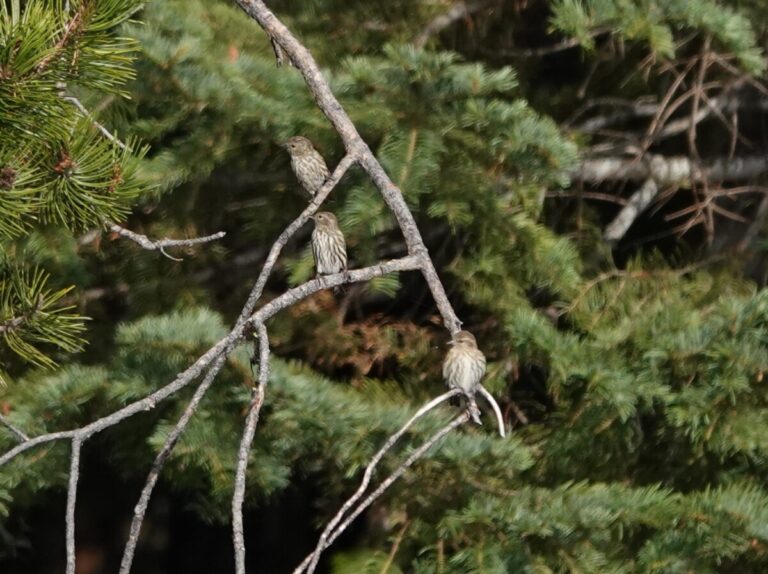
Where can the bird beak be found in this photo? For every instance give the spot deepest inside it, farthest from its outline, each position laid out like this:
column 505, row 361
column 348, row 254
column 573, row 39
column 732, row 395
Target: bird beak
column 451, row 343
column 283, row 144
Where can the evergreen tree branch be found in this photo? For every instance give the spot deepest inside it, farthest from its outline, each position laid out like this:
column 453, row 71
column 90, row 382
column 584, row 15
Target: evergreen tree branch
column 354, row 144
column 160, row 244
column 259, row 392
column 305, row 566
column 160, row 460
column 18, row 433
column 368, row 474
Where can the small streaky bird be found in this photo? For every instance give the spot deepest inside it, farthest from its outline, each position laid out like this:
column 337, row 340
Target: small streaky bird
column 307, row 164
column 464, row 368
column 328, row 245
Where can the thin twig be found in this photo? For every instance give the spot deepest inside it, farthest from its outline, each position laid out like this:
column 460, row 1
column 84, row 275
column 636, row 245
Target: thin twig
column 397, row 473
column 17, row 432
column 160, row 460
column 160, row 244
column 395, row 546
column 259, row 392
column 495, row 406
column 369, row 470
column 83, row 110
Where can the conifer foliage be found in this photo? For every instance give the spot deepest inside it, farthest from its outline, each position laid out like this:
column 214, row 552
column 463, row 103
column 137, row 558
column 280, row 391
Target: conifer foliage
column 631, row 372
column 56, row 166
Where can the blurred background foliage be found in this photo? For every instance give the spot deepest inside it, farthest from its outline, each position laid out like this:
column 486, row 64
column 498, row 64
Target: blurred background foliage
column 630, row 371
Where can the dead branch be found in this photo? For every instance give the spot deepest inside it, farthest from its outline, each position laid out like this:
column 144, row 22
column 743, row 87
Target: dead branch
column 356, row 146
column 105, row 132
column 667, row 170
column 456, row 12
column 386, row 483
column 160, row 244
column 160, row 460
column 368, row 474
column 639, row 201
column 223, row 346
column 74, row 477
column 238, row 536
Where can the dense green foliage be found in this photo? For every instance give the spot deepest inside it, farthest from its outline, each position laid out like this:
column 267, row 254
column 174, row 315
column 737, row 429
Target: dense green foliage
column 55, row 166
column 632, row 378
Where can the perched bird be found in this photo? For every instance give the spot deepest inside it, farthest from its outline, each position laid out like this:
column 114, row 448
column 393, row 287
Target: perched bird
column 307, row 163
column 464, row 368
column 328, row 245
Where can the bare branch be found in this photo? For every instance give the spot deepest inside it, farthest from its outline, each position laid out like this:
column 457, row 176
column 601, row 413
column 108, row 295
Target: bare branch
column 160, row 460
column 184, row 378
column 410, row 263
column 495, row 406
column 369, row 470
column 667, row 170
column 259, row 392
column 639, row 201
column 397, row 473
column 18, row 433
column 107, row 134
column 456, row 12
column 160, row 244
column 355, row 145
column 74, row 476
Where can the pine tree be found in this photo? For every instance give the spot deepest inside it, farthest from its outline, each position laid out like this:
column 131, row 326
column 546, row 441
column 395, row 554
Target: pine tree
column 56, row 167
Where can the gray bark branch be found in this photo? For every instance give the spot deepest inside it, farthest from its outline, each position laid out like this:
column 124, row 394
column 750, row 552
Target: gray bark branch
column 387, row 482
column 160, row 244
column 311, row 562
column 669, row 170
column 160, row 460
column 354, row 144
column 259, row 392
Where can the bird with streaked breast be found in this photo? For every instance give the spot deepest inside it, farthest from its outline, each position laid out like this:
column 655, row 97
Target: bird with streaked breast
column 328, row 245
column 307, row 164
column 464, row 368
